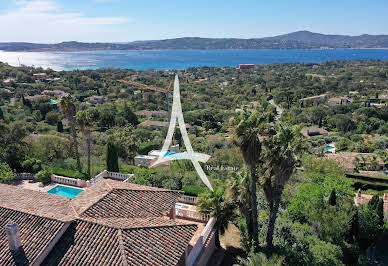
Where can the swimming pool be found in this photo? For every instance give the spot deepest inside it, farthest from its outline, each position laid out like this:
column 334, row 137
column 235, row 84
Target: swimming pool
column 65, row 191
column 329, row 147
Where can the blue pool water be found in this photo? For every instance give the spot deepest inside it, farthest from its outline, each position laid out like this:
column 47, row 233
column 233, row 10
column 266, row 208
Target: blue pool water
column 169, row 153
column 65, row 191
column 182, row 59
column 329, row 148
column 53, row 102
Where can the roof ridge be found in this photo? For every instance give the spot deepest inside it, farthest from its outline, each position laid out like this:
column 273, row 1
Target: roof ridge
column 99, row 223
column 160, row 226
column 34, row 214
column 122, row 248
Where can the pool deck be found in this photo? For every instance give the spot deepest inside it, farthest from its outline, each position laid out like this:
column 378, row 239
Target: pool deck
column 37, row 186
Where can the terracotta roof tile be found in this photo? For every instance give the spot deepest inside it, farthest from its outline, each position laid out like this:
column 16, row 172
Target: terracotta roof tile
column 124, row 203
column 86, row 243
column 35, row 234
column 158, row 245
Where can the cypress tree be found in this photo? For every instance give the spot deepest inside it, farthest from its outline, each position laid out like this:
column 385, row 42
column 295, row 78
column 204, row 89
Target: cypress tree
column 59, row 126
column 380, row 211
column 1, row 114
column 354, row 226
column 332, row 198
column 372, row 204
column 112, row 158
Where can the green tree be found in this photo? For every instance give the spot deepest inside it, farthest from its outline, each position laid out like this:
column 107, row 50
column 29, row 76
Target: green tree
column 32, row 165
column 332, row 198
column 6, row 174
column 67, row 106
column 380, row 211
column 112, row 158
column 126, row 141
column 216, row 205
column 260, row 259
column 59, row 126
column 279, row 163
column 44, row 176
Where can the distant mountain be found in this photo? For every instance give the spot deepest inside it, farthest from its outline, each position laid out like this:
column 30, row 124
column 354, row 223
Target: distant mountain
column 295, row 40
column 335, row 41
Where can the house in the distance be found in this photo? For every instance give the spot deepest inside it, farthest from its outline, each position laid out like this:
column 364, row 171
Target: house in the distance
column 340, row 101
column 155, row 125
column 97, row 99
column 312, row 131
column 316, row 98
column 144, row 113
column 242, row 67
column 55, row 93
column 39, row 76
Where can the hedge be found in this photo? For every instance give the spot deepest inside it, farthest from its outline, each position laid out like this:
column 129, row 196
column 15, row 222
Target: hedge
column 68, row 173
column 193, row 190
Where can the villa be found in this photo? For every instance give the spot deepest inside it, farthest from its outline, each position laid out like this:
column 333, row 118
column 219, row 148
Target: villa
column 340, row 101
column 108, row 223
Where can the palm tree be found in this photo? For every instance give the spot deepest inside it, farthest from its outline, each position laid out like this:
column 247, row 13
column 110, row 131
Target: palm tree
column 216, row 205
column 279, row 163
column 84, row 121
column 247, row 132
column 238, row 192
column 67, row 106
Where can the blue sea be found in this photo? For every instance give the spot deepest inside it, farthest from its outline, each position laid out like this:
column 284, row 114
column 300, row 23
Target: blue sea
column 181, row 59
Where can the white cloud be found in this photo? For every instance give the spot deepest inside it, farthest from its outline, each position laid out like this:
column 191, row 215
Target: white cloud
column 43, row 21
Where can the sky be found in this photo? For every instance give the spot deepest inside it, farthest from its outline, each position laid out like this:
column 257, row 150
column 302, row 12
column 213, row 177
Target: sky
column 52, row 21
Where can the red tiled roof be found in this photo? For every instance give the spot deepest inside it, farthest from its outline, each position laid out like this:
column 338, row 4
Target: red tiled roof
column 158, row 245
column 97, row 192
column 36, row 203
column 86, row 243
column 123, row 203
column 35, row 234
column 113, row 223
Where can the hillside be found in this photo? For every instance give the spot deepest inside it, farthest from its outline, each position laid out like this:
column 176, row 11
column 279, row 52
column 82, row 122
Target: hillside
column 295, row 40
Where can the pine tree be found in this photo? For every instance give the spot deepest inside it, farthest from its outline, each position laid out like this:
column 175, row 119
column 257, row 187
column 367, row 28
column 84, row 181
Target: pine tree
column 59, row 126
column 333, row 198
column 112, row 158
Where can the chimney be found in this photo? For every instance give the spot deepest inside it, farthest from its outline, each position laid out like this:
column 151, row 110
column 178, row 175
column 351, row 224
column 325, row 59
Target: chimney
column 13, row 234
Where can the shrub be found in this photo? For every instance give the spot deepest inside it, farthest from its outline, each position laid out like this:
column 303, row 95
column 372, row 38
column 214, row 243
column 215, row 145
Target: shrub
column 146, row 147
column 6, row 174
column 44, row 176
column 32, row 165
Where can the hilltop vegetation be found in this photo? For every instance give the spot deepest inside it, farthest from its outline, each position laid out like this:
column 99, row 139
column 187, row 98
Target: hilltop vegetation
column 295, row 40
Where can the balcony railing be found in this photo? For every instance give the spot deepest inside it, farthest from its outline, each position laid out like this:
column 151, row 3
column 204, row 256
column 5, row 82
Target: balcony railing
column 188, row 199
